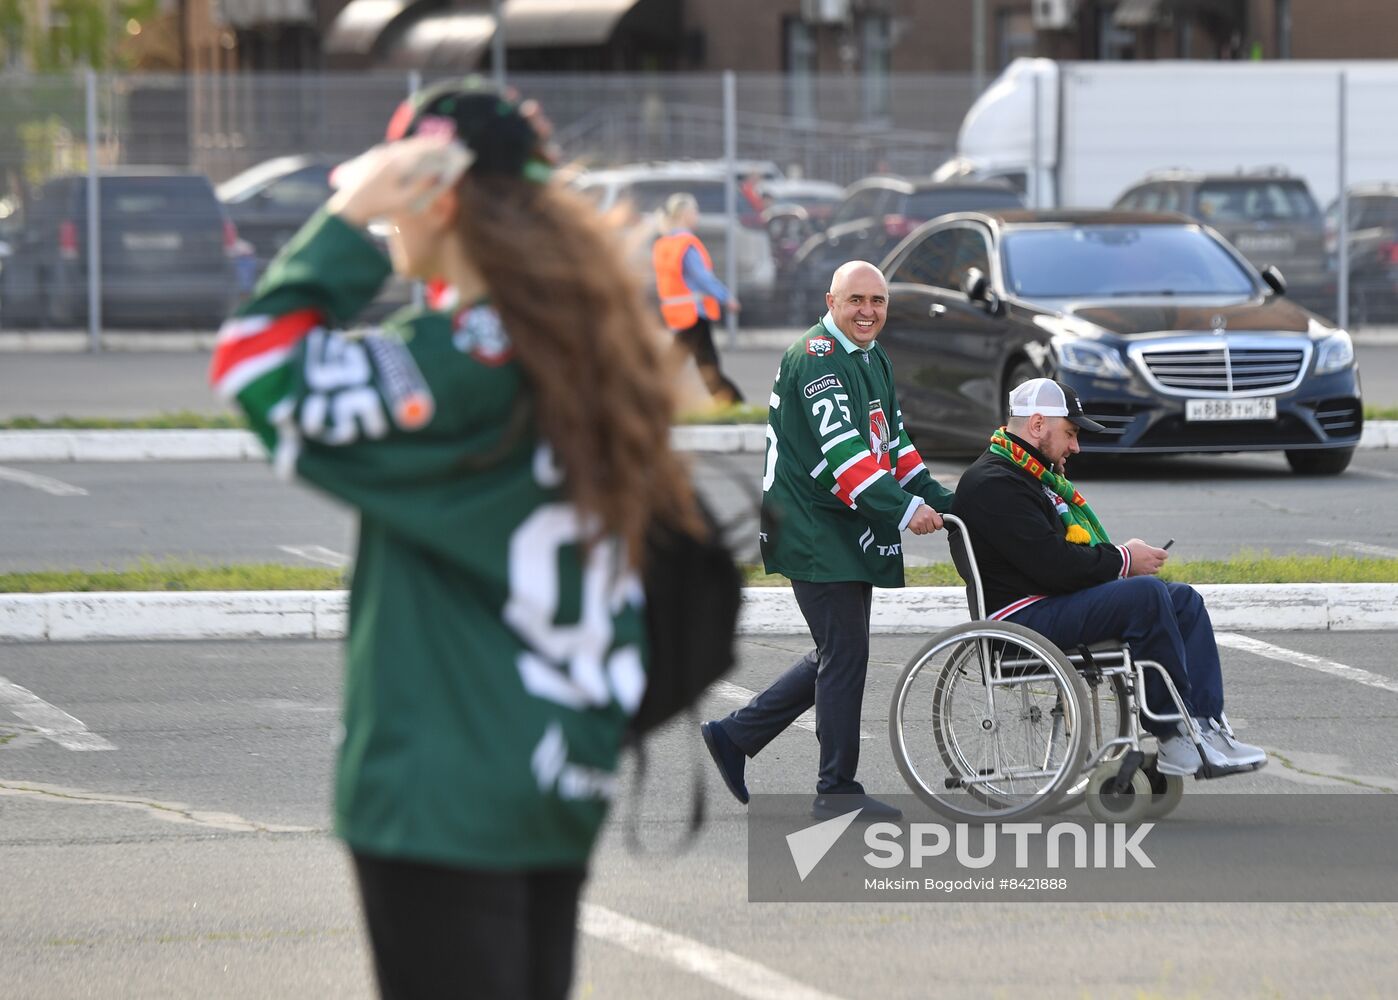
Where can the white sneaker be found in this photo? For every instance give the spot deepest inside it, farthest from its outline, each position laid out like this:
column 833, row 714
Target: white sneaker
column 1221, row 738
column 1177, row 755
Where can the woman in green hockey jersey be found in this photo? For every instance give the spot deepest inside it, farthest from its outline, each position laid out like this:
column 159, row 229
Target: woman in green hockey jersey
column 506, row 450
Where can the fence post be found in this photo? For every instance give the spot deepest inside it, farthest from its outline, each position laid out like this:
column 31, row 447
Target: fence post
column 1342, row 235
column 94, row 224
column 1034, row 168
column 414, row 85
column 497, row 46
column 730, row 195
column 978, row 45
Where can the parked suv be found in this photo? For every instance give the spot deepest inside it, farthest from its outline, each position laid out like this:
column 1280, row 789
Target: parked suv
column 272, row 200
column 645, row 188
column 167, row 251
column 1269, row 216
column 1373, row 250
column 874, row 217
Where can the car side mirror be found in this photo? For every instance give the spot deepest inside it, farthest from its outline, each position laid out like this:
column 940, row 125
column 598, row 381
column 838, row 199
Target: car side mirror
column 977, row 288
column 975, row 285
column 1274, row 279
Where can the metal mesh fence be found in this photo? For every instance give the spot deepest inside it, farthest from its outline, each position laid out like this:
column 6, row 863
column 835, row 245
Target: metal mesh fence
column 834, row 128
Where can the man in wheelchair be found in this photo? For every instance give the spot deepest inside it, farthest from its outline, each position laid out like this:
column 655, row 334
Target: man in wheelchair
column 1046, row 563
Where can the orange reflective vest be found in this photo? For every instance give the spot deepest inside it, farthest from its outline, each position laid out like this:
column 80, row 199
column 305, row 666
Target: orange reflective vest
column 679, row 306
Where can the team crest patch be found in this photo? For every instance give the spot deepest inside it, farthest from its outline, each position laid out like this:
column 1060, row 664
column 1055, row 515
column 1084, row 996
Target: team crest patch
column 820, row 346
column 880, row 435
column 480, row 334
column 820, row 385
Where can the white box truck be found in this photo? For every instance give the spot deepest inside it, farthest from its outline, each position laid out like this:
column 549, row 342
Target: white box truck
column 1100, row 127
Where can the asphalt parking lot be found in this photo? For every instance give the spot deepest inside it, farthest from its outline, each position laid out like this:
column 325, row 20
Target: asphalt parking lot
column 172, row 839
column 130, row 385
column 108, row 515
column 190, row 857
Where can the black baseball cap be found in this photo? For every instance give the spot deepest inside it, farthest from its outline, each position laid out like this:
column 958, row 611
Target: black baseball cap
column 501, row 134
column 1052, row 399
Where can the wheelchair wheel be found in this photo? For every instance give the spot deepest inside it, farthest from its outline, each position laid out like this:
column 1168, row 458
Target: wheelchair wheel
column 1107, row 719
column 1166, row 790
column 977, row 751
column 1110, row 806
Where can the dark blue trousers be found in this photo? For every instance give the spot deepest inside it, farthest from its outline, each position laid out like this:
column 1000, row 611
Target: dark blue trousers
column 1165, row 622
column 830, row 677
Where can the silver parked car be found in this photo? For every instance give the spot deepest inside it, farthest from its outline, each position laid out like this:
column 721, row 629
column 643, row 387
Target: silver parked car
column 645, row 187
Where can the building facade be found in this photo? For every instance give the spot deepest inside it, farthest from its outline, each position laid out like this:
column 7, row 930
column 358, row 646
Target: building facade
column 796, row 37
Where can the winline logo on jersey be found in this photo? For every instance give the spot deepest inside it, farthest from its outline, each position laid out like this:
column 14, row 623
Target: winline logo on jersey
column 1221, row 848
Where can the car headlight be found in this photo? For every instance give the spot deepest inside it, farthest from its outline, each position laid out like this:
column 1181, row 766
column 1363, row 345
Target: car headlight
column 1336, row 353
column 1088, row 357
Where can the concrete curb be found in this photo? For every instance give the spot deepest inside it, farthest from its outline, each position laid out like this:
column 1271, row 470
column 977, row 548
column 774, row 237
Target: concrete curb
column 321, row 614
column 238, row 445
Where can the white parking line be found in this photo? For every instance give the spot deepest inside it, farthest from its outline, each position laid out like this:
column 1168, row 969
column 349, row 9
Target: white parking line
column 52, row 723
column 317, row 553
column 1363, row 548
column 1250, row 645
column 733, row 692
column 43, row 484
column 740, row 976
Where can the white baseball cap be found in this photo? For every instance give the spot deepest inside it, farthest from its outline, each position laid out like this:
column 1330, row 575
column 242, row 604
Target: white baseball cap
column 1052, row 399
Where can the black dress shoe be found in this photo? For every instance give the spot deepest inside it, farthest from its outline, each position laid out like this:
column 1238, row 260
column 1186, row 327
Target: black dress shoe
column 870, row 810
column 730, row 759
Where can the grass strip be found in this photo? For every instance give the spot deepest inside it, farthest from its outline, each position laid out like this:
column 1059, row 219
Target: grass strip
column 180, row 420
column 1381, row 413
column 174, row 575
column 734, row 413
column 1244, row 568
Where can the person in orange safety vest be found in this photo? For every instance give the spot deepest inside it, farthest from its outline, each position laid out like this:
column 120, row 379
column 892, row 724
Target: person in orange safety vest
column 690, row 293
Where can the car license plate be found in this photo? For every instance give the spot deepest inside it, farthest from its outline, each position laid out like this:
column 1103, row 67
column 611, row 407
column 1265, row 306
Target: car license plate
column 151, row 241
column 1263, row 408
column 1273, row 243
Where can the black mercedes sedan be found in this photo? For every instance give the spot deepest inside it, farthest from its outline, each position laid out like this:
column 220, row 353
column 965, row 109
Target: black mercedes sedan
column 1174, row 342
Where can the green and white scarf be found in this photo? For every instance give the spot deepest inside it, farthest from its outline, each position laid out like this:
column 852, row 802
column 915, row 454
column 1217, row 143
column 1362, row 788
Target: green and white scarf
column 1080, row 522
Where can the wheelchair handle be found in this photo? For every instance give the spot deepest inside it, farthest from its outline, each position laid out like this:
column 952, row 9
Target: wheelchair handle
column 970, row 558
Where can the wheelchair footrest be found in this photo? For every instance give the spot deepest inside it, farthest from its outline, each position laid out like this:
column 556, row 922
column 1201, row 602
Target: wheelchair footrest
column 1208, row 770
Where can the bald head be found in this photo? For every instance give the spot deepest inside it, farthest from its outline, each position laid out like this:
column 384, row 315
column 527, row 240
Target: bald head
column 858, row 301
column 852, row 268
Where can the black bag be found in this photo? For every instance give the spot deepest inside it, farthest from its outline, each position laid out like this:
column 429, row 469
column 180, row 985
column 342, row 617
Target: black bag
column 693, row 591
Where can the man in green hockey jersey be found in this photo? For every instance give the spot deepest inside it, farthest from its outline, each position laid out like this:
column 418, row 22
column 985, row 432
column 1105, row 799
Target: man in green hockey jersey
column 841, row 482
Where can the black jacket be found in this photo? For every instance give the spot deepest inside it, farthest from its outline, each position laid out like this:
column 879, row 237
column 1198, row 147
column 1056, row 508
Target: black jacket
column 1019, row 538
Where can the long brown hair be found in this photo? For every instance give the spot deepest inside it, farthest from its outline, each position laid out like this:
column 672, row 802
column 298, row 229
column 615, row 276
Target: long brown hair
column 603, row 387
